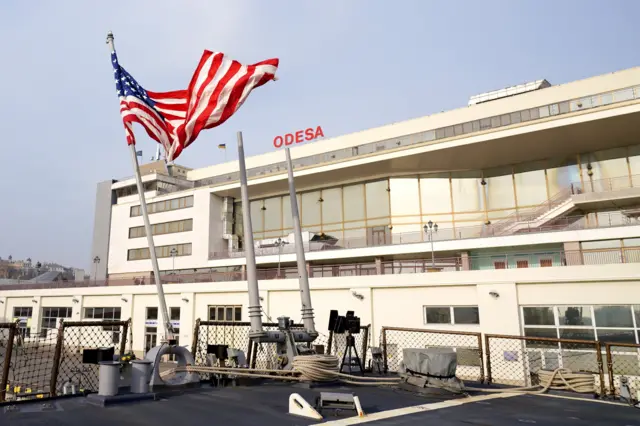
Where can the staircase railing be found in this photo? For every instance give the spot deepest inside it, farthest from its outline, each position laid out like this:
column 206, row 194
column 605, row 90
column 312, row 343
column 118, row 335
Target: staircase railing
column 533, row 213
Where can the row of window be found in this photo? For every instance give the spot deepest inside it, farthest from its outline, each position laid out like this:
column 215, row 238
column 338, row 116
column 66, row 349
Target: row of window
column 164, row 206
column 611, row 323
column 451, row 315
column 162, row 251
column 173, row 227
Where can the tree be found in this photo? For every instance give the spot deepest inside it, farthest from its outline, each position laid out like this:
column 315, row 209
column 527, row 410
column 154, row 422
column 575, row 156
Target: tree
column 10, row 258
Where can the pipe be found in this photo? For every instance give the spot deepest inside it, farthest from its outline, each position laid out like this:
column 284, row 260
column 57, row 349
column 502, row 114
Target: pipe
column 255, row 311
column 305, row 295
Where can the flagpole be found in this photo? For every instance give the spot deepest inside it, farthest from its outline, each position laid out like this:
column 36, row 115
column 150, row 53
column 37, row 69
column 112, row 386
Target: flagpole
column 168, row 328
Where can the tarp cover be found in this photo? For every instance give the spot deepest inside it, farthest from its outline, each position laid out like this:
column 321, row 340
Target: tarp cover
column 433, row 362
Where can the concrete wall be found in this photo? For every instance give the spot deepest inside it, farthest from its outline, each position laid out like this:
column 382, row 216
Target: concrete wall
column 105, row 198
column 381, row 301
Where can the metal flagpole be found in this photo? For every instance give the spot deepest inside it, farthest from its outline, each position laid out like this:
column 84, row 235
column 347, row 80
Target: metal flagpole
column 168, row 328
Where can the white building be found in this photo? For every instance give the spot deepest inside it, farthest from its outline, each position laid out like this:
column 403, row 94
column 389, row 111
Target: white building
column 532, row 194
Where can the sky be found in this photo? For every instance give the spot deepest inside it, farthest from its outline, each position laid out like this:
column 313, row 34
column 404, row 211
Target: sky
column 347, row 65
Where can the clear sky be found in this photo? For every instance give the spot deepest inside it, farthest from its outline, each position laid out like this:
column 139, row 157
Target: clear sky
column 347, row 65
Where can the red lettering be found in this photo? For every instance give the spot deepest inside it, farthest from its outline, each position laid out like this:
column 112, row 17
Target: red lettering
column 298, row 137
column 308, row 134
column 288, row 139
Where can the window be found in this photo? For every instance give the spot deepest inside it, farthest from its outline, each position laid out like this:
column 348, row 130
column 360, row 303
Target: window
column 164, row 206
column 163, row 228
column 109, row 314
column 162, row 251
column 545, row 263
column 606, row 323
column 174, row 314
column 152, row 314
column 451, row 315
column 20, row 312
column 499, row 264
column 50, row 316
column 225, row 313
column 522, row 263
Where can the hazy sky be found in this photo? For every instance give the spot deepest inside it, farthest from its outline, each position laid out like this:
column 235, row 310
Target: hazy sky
column 347, row 65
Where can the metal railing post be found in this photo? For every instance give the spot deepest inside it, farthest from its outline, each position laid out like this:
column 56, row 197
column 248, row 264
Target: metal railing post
column 7, row 360
column 612, row 386
column 194, row 339
column 123, row 337
column 384, row 350
column 487, row 351
column 600, row 366
column 56, row 360
column 481, row 355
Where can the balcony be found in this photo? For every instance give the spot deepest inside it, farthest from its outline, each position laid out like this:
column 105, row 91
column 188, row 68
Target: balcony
column 550, row 216
column 495, row 261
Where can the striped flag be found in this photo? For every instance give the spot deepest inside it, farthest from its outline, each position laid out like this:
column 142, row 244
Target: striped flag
column 174, row 119
column 222, row 145
column 218, row 88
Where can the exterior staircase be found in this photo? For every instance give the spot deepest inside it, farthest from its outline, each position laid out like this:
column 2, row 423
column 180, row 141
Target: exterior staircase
column 536, row 217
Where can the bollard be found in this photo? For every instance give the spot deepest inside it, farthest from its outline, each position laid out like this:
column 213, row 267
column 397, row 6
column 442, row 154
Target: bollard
column 109, row 378
column 140, row 375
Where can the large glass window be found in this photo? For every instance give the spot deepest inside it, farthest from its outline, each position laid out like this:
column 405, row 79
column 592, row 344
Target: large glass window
column 606, row 323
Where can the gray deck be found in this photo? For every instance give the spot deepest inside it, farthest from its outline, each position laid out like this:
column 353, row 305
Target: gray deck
column 268, row 405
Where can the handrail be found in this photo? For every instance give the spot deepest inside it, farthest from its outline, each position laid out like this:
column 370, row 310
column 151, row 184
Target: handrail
column 492, row 261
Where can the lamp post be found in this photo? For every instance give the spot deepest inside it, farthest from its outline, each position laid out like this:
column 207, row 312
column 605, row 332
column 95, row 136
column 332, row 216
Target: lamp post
column 173, row 253
column 429, row 229
column 96, row 261
column 279, row 242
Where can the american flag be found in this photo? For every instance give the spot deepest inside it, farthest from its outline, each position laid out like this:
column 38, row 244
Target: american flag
column 218, row 88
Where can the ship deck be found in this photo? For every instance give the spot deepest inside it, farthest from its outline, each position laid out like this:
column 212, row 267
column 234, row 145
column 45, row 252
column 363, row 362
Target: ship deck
column 267, row 404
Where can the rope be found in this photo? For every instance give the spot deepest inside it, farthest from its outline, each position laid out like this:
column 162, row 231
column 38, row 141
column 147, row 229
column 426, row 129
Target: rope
column 325, row 368
column 306, row 368
column 558, row 379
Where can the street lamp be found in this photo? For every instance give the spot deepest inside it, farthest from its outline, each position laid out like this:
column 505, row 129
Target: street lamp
column 429, row 229
column 96, row 261
column 279, row 242
column 174, row 253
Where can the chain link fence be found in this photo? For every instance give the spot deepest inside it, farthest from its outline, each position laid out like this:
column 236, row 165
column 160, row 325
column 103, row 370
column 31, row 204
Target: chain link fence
column 74, row 338
column 517, row 360
column 263, row 355
column 37, row 365
column 623, row 362
column 467, row 345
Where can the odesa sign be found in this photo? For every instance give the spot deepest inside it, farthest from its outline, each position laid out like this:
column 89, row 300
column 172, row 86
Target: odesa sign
column 308, row 134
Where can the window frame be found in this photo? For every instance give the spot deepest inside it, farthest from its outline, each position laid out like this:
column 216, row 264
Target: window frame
column 452, row 318
column 235, row 309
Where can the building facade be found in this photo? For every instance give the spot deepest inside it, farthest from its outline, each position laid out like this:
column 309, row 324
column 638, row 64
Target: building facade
column 501, row 217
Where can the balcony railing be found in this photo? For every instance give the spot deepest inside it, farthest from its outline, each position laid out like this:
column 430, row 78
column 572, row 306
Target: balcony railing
column 497, row 261
column 605, row 220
